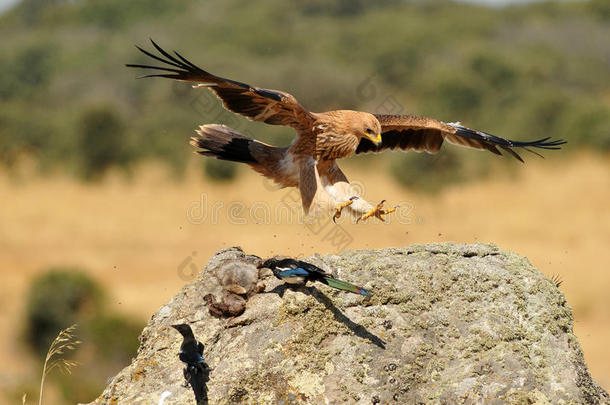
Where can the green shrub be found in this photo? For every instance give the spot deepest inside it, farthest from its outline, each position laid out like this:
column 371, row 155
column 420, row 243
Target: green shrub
column 425, row 172
column 57, row 299
column 102, row 141
column 494, row 69
column 115, row 337
column 219, row 170
column 588, row 123
column 26, row 72
column 64, row 296
column 601, row 8
column 458, row 96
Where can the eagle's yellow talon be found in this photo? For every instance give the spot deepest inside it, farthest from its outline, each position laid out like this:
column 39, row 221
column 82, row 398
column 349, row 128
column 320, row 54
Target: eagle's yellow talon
column 340, row 207
column 377, row 212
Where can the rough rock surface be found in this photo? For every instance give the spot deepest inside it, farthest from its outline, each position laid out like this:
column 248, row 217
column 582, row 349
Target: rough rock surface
column 447, row 324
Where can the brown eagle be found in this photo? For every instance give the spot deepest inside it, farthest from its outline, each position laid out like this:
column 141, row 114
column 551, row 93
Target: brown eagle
column 309, row 163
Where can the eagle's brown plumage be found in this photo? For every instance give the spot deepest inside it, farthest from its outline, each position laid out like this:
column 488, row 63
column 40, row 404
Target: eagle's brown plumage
column 309, row 163
column 420, row 134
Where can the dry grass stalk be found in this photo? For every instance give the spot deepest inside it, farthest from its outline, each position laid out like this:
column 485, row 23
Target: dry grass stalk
column 64, row 342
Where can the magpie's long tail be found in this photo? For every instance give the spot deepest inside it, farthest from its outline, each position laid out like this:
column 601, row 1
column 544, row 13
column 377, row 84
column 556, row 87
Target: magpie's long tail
column 198, row 378
column 345, row 286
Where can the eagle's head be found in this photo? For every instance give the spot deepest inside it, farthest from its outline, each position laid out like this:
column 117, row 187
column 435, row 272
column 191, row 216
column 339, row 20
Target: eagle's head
column 360, row 124
column 369, row 128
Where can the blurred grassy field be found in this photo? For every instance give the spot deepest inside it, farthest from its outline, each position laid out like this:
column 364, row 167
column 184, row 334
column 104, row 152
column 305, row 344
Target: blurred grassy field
column 134, row 235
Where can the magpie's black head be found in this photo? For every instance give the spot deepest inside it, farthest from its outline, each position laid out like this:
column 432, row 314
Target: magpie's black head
column 184, row 329
column 270, row 263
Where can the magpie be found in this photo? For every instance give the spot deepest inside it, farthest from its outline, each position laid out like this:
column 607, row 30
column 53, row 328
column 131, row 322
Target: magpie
column 196, row 371
column 294, row 271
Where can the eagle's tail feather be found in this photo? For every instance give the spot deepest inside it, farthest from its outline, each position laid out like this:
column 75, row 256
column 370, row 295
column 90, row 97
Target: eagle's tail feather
column 222, row 142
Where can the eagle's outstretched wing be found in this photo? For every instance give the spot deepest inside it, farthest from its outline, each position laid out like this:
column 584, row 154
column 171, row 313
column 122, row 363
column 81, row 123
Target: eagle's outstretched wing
column 425, row 134
column 266, row 105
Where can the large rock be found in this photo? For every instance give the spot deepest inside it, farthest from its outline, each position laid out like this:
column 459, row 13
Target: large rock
column 446, row 324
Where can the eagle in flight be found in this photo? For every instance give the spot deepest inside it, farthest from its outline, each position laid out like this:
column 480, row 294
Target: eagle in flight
column 310, row 162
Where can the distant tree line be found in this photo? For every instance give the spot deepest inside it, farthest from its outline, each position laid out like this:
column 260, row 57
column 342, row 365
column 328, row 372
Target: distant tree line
column 521, row 72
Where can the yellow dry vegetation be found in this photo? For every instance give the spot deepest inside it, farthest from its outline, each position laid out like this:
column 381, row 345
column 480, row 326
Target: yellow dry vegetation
column 143, row 237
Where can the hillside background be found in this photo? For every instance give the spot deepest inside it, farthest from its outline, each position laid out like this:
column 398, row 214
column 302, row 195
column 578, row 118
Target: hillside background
column 98, row 181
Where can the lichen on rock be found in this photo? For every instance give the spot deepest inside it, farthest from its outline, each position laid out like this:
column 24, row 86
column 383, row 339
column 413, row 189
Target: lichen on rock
column 447, row 323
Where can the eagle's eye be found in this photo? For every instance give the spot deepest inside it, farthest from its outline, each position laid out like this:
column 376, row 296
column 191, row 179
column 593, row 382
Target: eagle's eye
column 370, row 131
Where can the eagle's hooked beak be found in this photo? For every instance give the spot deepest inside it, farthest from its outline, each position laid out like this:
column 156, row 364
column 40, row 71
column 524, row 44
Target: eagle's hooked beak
column 376, row 140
